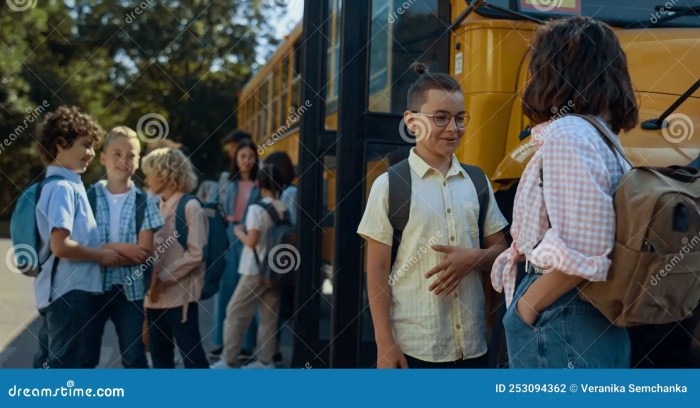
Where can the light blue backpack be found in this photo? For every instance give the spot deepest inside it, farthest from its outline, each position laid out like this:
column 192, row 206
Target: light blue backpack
column 24, row 232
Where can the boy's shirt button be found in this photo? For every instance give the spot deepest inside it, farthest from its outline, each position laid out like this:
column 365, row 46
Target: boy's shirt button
column 444, row 183
column 449, row 210
column 452, row 238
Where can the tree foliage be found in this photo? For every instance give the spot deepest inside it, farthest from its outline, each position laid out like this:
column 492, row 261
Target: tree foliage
column 121, row 60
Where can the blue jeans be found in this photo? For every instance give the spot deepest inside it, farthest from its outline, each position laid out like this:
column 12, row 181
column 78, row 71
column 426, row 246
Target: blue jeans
column 569, row 333
column 127, row 317
column 228, row 284
column 166, row 330
column 62, row 331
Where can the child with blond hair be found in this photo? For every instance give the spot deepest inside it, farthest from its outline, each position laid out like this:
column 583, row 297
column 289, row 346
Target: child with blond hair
column 178, row 273
column 126, row 222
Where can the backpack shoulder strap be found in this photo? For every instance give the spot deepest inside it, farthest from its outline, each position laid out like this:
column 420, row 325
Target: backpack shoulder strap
column 399, row 202
column 608, row 135
column 141, row 204
column 180, row 221
column 54, row 265
column 41, row 184
column 92, row 197
column 270, row 209
column 272, row 212
column 481, row 184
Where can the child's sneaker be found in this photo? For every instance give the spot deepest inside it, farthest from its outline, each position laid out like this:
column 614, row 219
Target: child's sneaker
column 258, row 364
column 221, row 364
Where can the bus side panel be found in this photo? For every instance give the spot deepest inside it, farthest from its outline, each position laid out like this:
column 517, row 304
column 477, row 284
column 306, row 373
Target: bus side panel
column 492, row 52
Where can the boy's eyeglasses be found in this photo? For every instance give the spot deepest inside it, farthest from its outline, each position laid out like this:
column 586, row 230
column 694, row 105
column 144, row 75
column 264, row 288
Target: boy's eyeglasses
column 442, row 118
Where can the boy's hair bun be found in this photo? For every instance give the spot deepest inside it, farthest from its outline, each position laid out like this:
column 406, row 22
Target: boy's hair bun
column 427, row 81
column 419, row 68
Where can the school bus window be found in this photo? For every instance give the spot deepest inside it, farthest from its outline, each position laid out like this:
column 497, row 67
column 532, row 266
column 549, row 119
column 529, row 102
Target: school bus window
column 401, row 35
column 267, row 107
column 333, row 64
column 296, row 76
column 277, row 97
column 285, row 90
column 379, row 57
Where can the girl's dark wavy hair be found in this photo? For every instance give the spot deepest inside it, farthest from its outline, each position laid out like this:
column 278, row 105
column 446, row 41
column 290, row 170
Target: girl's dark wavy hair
column 234, row 171
column 578, row 62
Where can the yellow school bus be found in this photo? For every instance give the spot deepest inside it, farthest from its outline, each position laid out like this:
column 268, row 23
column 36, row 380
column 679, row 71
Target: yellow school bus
column 486, row 48
column 488, row 54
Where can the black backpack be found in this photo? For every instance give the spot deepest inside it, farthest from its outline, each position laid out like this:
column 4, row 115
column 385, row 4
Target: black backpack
column 400, row 199
column 281, row 261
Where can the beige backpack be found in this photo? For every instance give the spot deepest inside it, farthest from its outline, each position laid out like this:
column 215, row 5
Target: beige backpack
column 655, row 273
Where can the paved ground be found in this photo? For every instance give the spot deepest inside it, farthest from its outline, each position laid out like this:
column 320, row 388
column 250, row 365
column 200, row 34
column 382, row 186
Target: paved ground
column 19, row 323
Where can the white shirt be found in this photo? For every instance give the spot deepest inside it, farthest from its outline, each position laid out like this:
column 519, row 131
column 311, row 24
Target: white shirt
column 258, row 219
column 116, row 203
column 444, row 211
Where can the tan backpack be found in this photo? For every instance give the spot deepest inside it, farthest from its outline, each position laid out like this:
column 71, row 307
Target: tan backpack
column 655, row 273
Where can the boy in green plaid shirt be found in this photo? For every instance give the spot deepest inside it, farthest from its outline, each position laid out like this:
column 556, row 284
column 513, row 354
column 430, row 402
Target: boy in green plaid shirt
column 120, row 210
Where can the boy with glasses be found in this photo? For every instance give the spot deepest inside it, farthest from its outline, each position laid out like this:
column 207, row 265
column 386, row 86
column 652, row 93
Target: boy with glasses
column 427, row 303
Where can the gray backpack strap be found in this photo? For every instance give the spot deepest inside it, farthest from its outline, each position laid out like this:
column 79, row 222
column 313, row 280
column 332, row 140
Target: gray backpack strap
column 399, row 202
column 481, row 183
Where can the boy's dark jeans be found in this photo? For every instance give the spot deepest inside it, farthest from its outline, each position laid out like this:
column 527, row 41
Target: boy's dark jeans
column 127, row 317
column 166, row 329
column 62, row 331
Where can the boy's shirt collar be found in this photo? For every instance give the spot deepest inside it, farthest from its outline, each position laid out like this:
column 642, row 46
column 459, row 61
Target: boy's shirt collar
column 132, row 186
column 63, row 172
column 421, row 167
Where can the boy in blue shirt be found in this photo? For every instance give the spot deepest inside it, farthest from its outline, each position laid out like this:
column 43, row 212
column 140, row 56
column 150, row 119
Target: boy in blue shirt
column 69, row 240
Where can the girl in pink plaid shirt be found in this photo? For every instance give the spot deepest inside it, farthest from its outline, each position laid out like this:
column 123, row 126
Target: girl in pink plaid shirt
column 563, row 216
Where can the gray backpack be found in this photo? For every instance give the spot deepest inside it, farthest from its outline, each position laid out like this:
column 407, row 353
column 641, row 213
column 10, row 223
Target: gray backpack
column 400, row 199
column 279, row 265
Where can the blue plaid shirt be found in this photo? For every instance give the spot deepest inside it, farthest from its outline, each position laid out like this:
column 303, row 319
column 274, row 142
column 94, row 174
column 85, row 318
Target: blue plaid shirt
column 130, row 276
